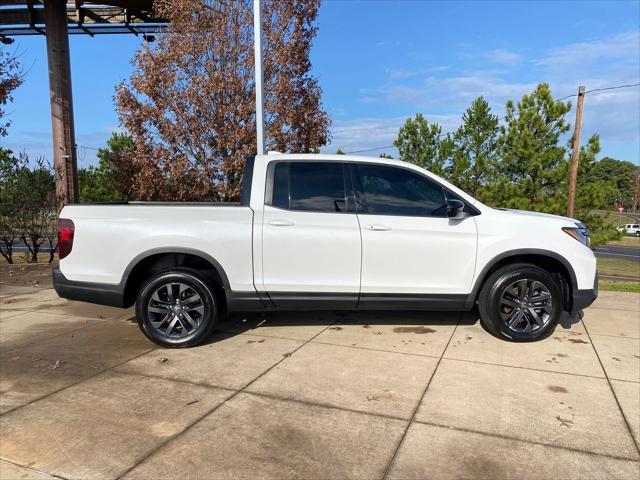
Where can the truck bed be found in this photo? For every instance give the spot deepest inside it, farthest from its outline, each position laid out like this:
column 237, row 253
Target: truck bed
column 109, row 237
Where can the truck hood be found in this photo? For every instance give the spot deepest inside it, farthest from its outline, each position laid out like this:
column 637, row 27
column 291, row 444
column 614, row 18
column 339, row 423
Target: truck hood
column 526, row 213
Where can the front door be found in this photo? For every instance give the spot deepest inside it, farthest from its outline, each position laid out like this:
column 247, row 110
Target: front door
column 311, row 236
column 410, row 248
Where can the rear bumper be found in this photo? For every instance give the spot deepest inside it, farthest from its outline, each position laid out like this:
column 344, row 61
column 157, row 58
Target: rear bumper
column 583, row 298
column 100, row 293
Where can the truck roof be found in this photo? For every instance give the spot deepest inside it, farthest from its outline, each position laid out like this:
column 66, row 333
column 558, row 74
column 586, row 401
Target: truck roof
column 358, row 158
column 328, row 157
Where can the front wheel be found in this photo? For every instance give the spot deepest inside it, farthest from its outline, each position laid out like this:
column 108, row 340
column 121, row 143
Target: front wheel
column 521, row 303
column 176, row 308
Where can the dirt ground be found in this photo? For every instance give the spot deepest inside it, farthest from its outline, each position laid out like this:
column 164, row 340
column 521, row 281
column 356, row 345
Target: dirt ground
column 320, row 395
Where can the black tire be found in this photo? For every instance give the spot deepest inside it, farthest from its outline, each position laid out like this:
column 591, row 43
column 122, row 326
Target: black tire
column 177, row 324
column 637, row 234
column 540, row 316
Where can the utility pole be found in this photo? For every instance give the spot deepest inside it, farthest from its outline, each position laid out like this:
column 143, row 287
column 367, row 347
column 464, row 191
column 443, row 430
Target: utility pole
column 64, row 148
column 575, row 155
column 259, row 80
column 636, row 197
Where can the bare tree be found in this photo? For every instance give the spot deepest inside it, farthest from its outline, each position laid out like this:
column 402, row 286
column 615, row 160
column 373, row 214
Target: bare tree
column 35, row 223
column 190, row 102
column 10, row 79
column 27, row 203
column 8, row 231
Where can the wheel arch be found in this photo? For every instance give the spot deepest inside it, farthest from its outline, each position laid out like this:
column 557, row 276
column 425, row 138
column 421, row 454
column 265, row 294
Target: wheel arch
column 550, row 261
column 158, row 258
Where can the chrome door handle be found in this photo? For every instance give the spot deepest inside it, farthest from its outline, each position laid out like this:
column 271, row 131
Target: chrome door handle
column 378, row 228
column 281, row 223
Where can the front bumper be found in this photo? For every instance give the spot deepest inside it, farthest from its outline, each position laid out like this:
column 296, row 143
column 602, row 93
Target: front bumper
column 583, row 298
column 100, row 293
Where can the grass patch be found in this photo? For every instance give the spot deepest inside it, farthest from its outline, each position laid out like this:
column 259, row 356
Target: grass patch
column 615, row 217
column 21, row 258
column 626, row 241
column 617, row 266
column 619, row 286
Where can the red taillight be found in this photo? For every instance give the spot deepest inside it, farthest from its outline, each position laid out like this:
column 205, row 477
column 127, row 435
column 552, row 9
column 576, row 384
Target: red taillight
column 65, row 237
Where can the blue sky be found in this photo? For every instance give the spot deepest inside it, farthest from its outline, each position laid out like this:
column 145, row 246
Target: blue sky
column 380, row 62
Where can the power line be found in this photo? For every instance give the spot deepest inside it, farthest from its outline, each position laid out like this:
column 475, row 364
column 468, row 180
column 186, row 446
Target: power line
column 616, row 87
column 613, row 88
column 370, row 149
column 535, row 106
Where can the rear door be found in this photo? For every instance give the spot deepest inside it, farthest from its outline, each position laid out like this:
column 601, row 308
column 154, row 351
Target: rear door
column 311, row 237
column 410, row 248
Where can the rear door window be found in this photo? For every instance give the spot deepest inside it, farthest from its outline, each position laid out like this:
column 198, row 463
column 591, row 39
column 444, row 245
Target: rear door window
column 309, row 186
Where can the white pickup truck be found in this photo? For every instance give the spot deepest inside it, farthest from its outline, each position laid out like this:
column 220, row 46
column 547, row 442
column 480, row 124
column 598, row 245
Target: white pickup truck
column 326, row 232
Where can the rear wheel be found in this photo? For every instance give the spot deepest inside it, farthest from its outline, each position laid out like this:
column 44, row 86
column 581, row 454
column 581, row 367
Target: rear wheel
column 176, row 308
column 520, row 303
column 638, row 233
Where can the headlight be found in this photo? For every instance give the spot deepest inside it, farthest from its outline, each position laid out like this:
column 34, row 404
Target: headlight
column 580, row 232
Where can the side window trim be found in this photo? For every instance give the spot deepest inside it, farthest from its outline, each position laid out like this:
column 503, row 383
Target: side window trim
column 361, row 199
column 347, row 178
column 269, row 190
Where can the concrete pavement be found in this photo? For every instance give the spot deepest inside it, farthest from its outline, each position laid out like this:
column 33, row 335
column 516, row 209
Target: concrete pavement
column 316, row 395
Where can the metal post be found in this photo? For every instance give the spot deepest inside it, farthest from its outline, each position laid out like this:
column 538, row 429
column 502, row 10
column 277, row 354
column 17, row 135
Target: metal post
column 64, row 151
column 257, row 33
column 573, row 172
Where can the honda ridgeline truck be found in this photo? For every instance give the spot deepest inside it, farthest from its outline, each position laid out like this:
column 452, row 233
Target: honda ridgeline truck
column 326, row 232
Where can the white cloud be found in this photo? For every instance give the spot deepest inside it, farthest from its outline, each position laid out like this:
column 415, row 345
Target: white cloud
column 38, row 144
column 365, row 133
column 369, row 100
column 599, row 63
column 500, row 55
column 455, row 93
column 623, row 47
column 400, row 73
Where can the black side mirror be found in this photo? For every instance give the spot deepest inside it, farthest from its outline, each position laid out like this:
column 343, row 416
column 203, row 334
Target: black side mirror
column 455, row 209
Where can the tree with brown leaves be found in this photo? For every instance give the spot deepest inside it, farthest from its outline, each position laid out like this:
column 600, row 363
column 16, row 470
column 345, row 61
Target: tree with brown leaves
column 190, row 102
column 10, row 79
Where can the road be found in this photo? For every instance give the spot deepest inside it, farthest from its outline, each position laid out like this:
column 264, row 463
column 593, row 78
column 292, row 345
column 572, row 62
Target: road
column 615, row 251
column 631, row 254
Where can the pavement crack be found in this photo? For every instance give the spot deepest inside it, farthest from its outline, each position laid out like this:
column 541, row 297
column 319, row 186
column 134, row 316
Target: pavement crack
column 170, row 439
column 424, row 392
column 613, row 392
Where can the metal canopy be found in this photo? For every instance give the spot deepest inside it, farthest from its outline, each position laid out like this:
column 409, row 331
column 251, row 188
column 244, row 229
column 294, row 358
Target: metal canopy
column 27, row 17
column 56, row 19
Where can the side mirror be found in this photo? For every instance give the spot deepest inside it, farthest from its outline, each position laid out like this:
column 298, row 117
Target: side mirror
column 455, row 209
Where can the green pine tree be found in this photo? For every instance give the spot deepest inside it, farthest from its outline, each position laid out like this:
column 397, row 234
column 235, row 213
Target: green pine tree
column 532, row 167
column 423, row 144
column 103, row 183
column 475, row 145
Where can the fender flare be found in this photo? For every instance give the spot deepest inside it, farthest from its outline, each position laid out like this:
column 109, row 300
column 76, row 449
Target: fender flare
column 471, row 299
column 178, row 250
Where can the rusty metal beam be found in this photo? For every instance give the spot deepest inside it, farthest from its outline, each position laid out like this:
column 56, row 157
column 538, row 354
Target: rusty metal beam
column 64, row 148
column 83, row 15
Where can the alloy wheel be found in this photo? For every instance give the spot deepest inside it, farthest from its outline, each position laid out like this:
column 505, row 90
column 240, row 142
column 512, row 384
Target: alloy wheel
column 175, row 310
column 526, row 305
